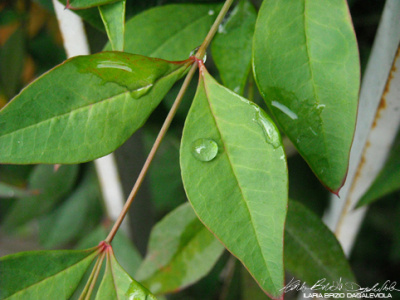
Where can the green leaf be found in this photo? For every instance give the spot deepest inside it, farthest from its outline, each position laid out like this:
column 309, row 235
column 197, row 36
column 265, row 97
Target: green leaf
column 124, row 249
column 113, row 16
column 82, row 4
column 90, row 15
column 234, row 172
column 312, row 251
column 181, row 251
column 84, row 108
column 388, row 180
column 306, row 65
column 12, row 58
column 50, row 187
column 231, row 47
column 9, row 191
column 67, row 221
column 169, row 32
column 38, row 274
column 117, row 284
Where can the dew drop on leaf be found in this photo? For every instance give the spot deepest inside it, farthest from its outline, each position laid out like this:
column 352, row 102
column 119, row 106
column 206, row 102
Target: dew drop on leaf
column 204, row 149
column 270, row 133
column 141, row 91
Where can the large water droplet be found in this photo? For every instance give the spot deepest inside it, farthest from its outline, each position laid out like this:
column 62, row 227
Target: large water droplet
column 270, row 132
column 284, row 109
column 194, row 51
column 204, row 149
column 141, row 91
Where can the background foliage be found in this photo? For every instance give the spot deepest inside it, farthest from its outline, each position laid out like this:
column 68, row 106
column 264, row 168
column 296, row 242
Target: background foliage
column 31, row 44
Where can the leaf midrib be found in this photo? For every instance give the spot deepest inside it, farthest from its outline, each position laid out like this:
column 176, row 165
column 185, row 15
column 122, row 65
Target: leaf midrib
column 111, row 98
column 238, row 183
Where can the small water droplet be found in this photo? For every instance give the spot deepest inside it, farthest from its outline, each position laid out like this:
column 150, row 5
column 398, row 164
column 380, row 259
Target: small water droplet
column 236, row 89
column 221, row 29
column 194, row 51
column 270, row 132
column 211, row 12
column 141, row 91
column 284, row 109
column 204, row 149
column 109, row 64
column 321, row 106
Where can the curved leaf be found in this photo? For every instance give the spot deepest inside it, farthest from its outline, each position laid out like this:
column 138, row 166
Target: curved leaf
column 113, row 16
column 312, row 251
column 388, row 179
column 181, row 251
column 49, row 186
column 306, row 65
column 84, row 108
column 43, row 274
column 117, row 284
column 234, row 172
column 170, row 32
column 231, row 47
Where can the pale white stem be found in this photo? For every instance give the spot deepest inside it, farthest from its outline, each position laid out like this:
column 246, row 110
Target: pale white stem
column 75, row 43
column 377, row 123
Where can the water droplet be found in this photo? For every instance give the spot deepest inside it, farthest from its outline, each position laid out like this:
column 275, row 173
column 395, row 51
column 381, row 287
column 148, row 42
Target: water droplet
column 141, row 91
column 194, row 51
column 204, row 149
column 321, row 106
column 221, row 29
column 236, row 89
column 270, row 132
column 211, row 12
column 109, row 64
column 284, row 109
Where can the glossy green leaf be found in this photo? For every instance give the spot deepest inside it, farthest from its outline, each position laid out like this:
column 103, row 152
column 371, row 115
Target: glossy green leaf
column 50, row 187
column 181, row 251
column 81, row 4
column 10, row 191
column 231, row 47
column 240, row 191
column 69, row 219
column 312, row 252
column 124, row 249
column 12, row 60
column 171, row 31
column 84, row 108
column 306, row 65
column 43, row 274
column 117, row 284
column 388, row 179
column 113, row 16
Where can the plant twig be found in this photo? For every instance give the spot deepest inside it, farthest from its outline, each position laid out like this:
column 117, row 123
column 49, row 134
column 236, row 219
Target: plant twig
column 152, row 153
column 198, row 57
column 202, row 49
